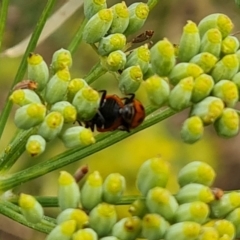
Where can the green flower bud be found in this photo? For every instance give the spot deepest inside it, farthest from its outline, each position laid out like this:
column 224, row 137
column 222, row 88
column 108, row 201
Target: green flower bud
column 81, row 218
column 228, row 124
column 217, row 20
column 109, row 238
column 183, row 231
column 138, row 13
column 102, row 218
column 194, row 192
column 163, row 57
column 77, row 136
column 127, row 228
column 180, row 96
column 227, row 91
column 29, row 115
column 37, row 70
column 120, row 18
column 57, row 86
column 154, row 226
column 208, row 233
column 24, row 96
column 113, row 188
column 226, row 68
column 192, row 129
column 234, row 218
column 203, row 86
column 236, row 80
column 92, row 7
column 227, row 203
column 130, row 79
column 74, row 86
column 189, row 43
column 85, row 234
column 195, row 211
column 116, row 61
column 149, row 73
column 158, row 90
column 63, row 231
column 51, row 126
column 98, row 26
column 238, row 56
column 139, row 56
column 205, row 60
column 112, row 42
column 138, row 208
column 184, row 70
column 161, row 201
column 230, row 44
column 35, row 145
column 67, row 110
column 68, row 191
column 153, row 173
column 225, row 227
column 209, row 109
column 212, row 42
column 30, row 208
column 196, row 172
column 61, row 59
column 86, row 101
column 92, row 191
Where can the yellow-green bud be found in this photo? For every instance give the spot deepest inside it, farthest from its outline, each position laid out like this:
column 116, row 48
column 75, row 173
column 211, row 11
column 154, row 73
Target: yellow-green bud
column 120, row 18
column 230, row 44
column 130, row 79
column 77, row 136
column 29, row 115
column 196, row 172
column 163, row 57
column 37, row 70
column 102, row 218
column 74, row 86
column 98, row 26
column 138, row 13
column 161, row 201
column 81, row 218
column 157, row 89
column 116, row 61
column 208, row 233
column 152, row 173
column 85, row 234
column 216, row 20
column 92, row 7
column 234, row 218
column 194, row 192
column 30, row 208
column 192, row 129
column 180, row 96
column 24, row 96
column 92, row 191
column 236, row 80
column 51, row 126
column 228, row 124
column 205, row 60
column 61, row 59
column 138, row 208
column 56, row 89
column 209, row 109
column 189, row 43
column 184, row 70
column 113, row 188
column 35, row 145
column 68, row 191
column 225, row 227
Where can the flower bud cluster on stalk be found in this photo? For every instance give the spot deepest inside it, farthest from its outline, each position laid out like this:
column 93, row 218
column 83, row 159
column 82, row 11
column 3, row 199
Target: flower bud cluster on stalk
column 195, row 212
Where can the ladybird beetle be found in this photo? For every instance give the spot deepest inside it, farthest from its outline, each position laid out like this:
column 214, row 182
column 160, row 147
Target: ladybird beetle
column 117, row 113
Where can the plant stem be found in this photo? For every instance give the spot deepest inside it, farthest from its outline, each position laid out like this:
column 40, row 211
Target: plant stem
column 3, row 17
column 103, row 140
column 23, row 65
column 96, row 72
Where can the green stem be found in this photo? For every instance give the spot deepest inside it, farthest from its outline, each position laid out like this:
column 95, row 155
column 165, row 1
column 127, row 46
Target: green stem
column 3, row 17
column 78, row 37
column 12, row 211
column 96, row 72
column 23, row 65
column 103, row 140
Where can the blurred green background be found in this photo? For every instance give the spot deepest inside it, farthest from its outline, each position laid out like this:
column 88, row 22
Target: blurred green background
column 167, row 20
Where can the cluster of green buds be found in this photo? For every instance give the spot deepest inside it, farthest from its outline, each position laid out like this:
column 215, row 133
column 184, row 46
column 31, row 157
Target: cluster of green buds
column 195, row 212
column 51, row 103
